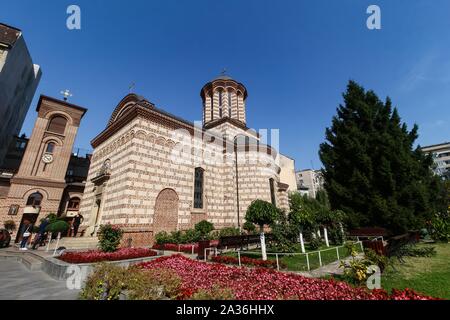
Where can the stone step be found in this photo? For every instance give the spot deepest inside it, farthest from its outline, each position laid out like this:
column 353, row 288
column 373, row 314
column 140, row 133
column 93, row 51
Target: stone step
column 29, row 259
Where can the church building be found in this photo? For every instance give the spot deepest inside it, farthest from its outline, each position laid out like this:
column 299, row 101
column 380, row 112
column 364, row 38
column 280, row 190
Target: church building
column 152, row 171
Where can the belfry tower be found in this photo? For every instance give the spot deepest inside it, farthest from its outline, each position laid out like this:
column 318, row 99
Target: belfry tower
column 223, row 98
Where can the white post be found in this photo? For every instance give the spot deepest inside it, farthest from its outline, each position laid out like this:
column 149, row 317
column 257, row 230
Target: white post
column 325, row 234
column 57, row 242
column 307, row 262
column 239, row 258
column 342, row 230
column 278, row 264
column 263, row 246
column 302, row 243
column 320, row 259
column 337, row 253
column 49, row 240
column 193, row 249
column 318, row 232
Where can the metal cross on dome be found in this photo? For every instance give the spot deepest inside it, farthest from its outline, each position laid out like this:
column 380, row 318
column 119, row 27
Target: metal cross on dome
column 66, row 94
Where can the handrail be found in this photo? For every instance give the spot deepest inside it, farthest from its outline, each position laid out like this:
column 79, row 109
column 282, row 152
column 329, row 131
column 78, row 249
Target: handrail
column 306, row 254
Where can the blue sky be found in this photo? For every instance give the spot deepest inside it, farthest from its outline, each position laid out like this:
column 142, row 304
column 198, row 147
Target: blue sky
column 294, row 57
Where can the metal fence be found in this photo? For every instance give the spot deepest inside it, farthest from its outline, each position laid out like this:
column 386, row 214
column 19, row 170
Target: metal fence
column 281, row 254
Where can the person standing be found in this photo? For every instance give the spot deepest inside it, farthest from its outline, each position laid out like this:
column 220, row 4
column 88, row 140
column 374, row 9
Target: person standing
column 41, row 235
column 27, row 227
column 76, row 223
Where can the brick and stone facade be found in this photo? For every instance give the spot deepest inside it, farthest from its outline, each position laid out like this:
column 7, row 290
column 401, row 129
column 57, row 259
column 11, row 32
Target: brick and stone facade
column 142, row 173
column 44, row 165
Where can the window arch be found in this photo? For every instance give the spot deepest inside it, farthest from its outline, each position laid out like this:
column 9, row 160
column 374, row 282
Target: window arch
column 74, row 203
column 198, row 188
column 57, row 124
column 272, row 191
column 35, row 199
column 229, row 103
column 50, row 147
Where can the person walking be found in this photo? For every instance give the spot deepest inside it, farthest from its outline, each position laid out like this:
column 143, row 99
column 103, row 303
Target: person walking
column 41, row 235
column 76, row 223
column 25, row 235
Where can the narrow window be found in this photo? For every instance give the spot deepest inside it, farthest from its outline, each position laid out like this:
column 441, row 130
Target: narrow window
column 272, row 191
column 198, row 188
column 212, row 108
column 50, row 147
column 229, row 104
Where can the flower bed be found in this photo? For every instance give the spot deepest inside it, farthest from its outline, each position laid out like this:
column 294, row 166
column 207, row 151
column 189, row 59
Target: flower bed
column 248, row 261
column 187, row 247
column 98, row 256
column 266, row 284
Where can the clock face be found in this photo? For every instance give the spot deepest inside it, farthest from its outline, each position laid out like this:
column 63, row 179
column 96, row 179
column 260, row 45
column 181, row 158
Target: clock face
column 47, row 158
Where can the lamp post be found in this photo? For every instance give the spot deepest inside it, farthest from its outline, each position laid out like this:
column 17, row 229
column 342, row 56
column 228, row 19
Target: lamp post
column 237, row 181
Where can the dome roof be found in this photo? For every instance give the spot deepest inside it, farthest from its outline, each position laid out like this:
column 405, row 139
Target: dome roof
column 222, row 77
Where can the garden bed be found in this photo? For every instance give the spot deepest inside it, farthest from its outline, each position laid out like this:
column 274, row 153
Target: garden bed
column 265, row 284
column 185, row 247
column 99, row 256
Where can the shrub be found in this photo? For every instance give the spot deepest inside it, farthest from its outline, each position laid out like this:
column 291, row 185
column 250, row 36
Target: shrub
column 162, row 238
column 154, row 284
column 109, row 282
column 249, row 227
column 109, row 237
column 314, row 243
column 204, row 228
column 105, row 283
column 440, row 228
column 10, row 225
column 229, row 231
column 175, row 237
column 57, row 226
column 377, row 259
column 190, row 236
column 214, row 293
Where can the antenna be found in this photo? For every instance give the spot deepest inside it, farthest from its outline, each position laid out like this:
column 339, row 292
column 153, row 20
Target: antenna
column 66, row 94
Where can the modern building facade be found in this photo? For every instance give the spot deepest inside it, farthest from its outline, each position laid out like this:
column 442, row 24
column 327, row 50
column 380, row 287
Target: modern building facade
column 441, row 156
column 152, row 171
column 309, row 182
column 19, row 78
column 287, row 173
column 45, row 180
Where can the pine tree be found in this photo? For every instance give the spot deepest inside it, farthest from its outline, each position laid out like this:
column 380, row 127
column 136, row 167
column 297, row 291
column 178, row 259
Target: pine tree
column 371, row 170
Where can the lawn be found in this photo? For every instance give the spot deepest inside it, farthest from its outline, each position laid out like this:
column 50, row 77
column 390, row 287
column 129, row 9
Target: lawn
column 298, row 262
column 430, row 276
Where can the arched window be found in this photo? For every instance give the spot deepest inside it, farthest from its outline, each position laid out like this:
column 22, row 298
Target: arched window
column 272, row 191
column 50, row 147
column 198, row 188
column 57, row 125
column 34, row 199
column 220, row 104
column 229, row 104
column 74, row 204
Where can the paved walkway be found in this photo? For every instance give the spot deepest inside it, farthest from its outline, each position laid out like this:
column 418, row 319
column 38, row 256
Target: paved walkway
column 18, row 283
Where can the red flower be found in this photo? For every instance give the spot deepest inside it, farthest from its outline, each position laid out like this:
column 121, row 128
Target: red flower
column 265, row 284
column 98, row 256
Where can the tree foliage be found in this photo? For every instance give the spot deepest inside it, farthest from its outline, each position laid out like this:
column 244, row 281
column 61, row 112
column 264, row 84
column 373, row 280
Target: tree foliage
column 262, row 213
column 372, row 171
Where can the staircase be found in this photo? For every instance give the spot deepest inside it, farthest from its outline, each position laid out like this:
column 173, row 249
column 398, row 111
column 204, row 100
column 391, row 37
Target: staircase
column 76, row 243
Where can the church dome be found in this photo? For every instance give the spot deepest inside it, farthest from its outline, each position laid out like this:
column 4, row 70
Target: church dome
column 223, row 98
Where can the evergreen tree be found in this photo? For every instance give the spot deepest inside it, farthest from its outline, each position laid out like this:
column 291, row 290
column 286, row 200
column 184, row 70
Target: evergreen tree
column 372, row 171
